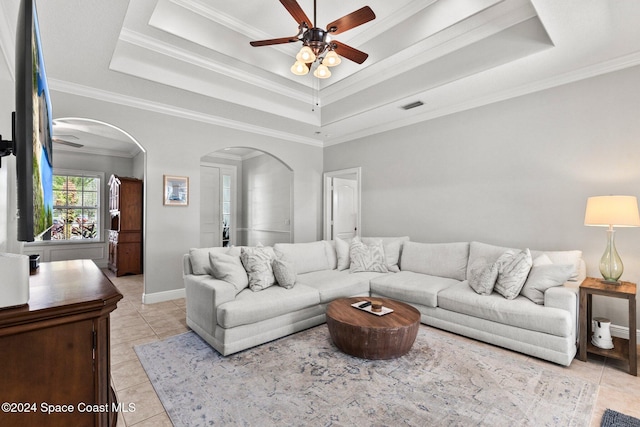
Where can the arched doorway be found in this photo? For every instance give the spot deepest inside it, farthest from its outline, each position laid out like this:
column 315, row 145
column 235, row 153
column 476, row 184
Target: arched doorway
column 257, row 206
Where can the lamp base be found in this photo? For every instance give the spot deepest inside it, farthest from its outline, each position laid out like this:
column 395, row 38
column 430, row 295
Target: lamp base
column 610, row 282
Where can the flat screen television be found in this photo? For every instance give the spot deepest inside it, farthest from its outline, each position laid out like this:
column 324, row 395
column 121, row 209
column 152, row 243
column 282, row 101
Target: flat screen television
column 32, row 130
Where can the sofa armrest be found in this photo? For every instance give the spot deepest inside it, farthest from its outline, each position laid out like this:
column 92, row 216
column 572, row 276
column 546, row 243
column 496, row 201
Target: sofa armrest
column 204, row 294
column 565, row 298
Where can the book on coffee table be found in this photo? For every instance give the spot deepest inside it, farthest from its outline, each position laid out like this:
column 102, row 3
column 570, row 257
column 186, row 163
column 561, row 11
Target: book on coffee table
column 385, row 310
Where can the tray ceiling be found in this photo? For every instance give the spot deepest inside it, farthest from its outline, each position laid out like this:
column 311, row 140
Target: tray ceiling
column 192, row 58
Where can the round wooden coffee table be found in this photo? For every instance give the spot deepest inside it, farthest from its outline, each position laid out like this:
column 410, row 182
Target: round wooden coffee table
column 366, row 335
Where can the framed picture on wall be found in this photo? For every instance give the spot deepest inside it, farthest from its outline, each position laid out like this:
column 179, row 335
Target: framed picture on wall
column 176, row 190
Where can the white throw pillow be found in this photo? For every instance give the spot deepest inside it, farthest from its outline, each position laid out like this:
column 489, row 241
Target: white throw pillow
column 482, row 276
column 513, row 269
column 392, row 249
column 284, row 273
column 367, row 257
column 257, row 262
column 342, row 252
column 543, row 277
column 229, row 268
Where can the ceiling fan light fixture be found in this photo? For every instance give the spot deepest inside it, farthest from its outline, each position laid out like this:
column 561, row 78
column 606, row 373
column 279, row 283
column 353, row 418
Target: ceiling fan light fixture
column 322, row 72
column 331, row 59
column 306, row 55
column 299, row 68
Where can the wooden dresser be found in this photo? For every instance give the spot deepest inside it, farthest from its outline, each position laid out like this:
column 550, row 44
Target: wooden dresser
column 125, row 235
column 55, row 350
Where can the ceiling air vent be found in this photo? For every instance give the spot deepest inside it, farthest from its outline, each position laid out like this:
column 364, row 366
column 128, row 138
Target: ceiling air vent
column 412, row 105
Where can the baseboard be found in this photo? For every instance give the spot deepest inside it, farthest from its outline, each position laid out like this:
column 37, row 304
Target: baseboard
column 163, row 296
column 621, row 331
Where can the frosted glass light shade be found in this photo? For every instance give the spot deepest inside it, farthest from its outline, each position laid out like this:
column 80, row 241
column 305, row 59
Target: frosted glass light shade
column 299, row 68
column 331, row 59
column 306, row 55
column 617, row 211
column 322, row 72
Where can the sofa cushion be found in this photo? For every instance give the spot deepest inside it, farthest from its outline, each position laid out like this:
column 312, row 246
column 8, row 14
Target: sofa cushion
column 436, row 259
column 230, row 269
column 251, row 307
column 573, row 258
column 543, row 277
column 411, row 287
column 332, row 284
column 367, row 257
column 392, row 249
column 257, row 261
column 519, row 312
column 200, row 262
column 513, row 269
column 306, row 257
column 482, row 276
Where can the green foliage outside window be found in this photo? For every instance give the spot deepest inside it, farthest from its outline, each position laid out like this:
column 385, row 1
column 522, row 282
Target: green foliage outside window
column 76, row 206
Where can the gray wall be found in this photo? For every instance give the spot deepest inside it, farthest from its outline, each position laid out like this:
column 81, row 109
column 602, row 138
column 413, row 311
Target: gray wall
column 266, row 197
column 515, row 173
column 175, row 146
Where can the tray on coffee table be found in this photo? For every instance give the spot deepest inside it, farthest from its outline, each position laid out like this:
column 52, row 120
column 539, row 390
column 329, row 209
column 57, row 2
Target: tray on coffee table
column 385, row 310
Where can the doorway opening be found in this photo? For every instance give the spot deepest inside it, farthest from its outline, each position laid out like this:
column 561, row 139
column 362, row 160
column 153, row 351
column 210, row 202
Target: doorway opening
column 342, row 216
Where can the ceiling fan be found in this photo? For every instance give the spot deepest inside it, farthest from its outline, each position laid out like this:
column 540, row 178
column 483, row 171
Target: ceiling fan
column 58, row 140
column 317, row 44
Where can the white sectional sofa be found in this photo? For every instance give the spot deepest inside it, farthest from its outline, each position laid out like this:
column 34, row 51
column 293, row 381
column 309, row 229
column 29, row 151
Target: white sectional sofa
column 430, row 276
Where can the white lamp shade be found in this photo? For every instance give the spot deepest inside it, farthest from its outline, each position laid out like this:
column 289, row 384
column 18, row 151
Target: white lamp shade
column 322, row 72
column 306, row 55
column 331, row 59
column 618, row 211
column 299, row 68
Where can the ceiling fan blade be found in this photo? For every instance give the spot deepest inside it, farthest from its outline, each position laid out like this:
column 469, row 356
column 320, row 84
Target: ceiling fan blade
column 349, row 52
column 352, row 20
column 274, row 41
column 70, row 144
column 296, row 11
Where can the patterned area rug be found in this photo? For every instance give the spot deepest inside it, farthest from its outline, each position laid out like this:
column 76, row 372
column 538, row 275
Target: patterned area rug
column 304, row 380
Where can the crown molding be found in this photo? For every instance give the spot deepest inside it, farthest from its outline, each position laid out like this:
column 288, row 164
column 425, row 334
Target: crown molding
column 426, row 50
column 152, row 44
column 615, row 64
column 170, row 110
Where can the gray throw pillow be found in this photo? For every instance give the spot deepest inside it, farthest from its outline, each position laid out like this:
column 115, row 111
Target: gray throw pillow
column 482, row 276
column 284, row 272
column 229, row 268
column 513, row 269
column 367, row 257
column 543, row 277
column 257, row 262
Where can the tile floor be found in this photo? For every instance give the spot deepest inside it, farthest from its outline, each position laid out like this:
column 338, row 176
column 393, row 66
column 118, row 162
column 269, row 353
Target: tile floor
column 134, row 323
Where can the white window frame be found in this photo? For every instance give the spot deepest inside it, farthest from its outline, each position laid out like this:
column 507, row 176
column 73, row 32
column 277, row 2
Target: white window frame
column 100, row 208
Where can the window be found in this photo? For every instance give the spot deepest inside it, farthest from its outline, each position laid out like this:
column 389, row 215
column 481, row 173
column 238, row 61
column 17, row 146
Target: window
column 76, row 206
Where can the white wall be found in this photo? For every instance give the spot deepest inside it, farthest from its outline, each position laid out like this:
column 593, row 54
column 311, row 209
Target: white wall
column 7, row 171
column 266, row 197
column 515, row 173
column 175, row 146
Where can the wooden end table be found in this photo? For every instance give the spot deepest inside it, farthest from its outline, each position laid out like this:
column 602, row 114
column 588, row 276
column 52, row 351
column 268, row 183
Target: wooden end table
column 368, row 336
column 623, row 349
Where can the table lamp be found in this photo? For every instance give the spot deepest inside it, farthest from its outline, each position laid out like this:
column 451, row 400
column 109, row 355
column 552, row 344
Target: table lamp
column 612, row 211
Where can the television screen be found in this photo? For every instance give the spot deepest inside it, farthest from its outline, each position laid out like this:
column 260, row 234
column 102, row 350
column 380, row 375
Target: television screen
column 33, row 125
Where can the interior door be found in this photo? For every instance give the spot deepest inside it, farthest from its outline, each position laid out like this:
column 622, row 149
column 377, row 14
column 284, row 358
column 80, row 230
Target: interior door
column 345, row 208
column 210, row 230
